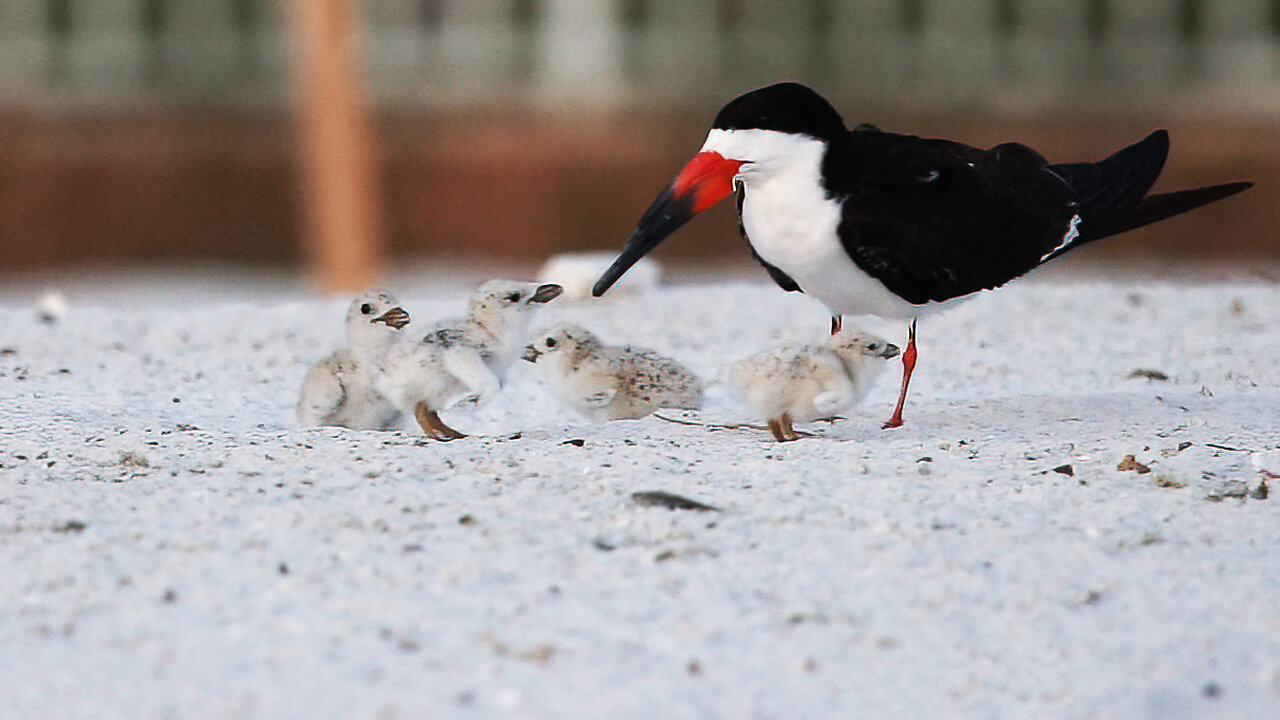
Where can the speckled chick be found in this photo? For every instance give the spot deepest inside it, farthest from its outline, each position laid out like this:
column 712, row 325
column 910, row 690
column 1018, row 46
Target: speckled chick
column 462, row 360
column 611, row 383
column 799, row 383
column 339, row 390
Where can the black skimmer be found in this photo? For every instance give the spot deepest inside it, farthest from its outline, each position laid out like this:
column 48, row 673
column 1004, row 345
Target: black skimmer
column 890, row 225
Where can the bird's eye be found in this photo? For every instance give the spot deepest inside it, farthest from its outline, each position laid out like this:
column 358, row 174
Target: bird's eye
column 551, row 342
column 366, row 309
column 873, row 346
column 513, row 297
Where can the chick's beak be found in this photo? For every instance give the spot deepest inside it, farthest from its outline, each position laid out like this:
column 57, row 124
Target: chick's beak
column 396, row 317
column 890, row 351
column 546, row 293
column 530, row 353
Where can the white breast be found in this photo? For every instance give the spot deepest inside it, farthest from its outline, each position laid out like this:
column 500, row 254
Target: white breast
column 793, row 225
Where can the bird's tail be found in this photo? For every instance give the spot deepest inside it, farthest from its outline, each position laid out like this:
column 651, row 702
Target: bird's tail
column 1155, row 208
column 1113, row 191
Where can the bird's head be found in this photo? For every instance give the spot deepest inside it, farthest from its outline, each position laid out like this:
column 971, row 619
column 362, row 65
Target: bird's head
column 855, row 344
column 565, row 341
column 766, row 130
column 496, row 299
column 374, row 314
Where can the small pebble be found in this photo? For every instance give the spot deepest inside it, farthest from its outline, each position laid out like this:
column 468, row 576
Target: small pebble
column 1131, row 463
column 1262, row 492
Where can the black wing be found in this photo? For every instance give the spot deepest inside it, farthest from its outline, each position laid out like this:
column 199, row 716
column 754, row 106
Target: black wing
column 935, row 219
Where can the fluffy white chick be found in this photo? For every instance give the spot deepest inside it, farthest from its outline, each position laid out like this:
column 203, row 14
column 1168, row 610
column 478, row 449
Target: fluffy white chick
column 611, row 383
column 465, row 359
column 339, row 390
column 799, row 383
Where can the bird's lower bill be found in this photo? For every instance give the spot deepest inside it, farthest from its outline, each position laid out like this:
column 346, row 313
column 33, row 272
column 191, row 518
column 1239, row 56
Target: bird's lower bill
column 706, row 180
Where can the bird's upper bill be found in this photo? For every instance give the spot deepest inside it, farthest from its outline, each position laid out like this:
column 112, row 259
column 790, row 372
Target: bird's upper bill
column 546, row 293
column 705, row 180
column 396, row 317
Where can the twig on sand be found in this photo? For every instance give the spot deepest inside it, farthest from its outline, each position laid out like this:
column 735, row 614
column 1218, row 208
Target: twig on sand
column 713, row 426
column 721, row 426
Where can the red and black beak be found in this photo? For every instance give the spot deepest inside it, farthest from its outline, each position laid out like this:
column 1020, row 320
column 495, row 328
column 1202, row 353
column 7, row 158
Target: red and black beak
column 706, row 180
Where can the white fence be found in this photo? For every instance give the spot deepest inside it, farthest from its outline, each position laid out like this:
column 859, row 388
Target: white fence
column 1036, row 55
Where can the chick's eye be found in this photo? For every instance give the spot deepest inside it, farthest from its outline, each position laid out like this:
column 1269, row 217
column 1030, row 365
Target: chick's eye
column 366, row 309
column 513, row 297
column 873, row 346
column 551, row 342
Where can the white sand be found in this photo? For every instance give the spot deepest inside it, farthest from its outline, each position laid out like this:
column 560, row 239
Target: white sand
column 174, row 547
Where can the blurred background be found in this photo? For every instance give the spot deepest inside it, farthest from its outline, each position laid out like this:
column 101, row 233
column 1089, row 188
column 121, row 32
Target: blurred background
column 340, row 137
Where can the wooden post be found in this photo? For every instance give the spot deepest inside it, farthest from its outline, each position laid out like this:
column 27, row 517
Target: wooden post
column 341, row 218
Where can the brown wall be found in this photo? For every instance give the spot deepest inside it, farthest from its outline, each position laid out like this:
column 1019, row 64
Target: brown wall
column 224, row 186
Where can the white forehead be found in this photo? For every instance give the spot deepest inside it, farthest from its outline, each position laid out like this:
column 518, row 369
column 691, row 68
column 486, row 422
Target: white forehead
column 571, row 331
column 376, row 298
column 844, row 337
column 756, row 145
column 493, row 288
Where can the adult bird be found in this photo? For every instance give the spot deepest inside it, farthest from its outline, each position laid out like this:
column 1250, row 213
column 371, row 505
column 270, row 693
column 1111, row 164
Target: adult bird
column 895, row 226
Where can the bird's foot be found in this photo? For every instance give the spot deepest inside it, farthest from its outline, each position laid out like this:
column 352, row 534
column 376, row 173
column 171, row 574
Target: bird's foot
column 782, row 432
column 782, row 429
column 432, row 425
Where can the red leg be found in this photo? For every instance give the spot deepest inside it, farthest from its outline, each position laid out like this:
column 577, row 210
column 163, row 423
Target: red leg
column 908, row 365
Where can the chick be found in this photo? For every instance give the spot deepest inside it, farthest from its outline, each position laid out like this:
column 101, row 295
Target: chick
column 799, row 383
column 461, row 360
column 611, row 383
column 339, row 390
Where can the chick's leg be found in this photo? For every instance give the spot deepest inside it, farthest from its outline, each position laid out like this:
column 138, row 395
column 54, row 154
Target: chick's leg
column 775, row 427
column 432, row 425
column 789, row 431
